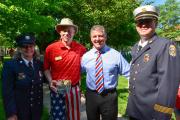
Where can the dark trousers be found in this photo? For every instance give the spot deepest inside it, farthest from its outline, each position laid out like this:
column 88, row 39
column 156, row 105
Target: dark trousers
column 105, row 105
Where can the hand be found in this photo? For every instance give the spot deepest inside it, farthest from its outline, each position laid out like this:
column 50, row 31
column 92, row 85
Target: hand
column 53, row 85
column 13, row 117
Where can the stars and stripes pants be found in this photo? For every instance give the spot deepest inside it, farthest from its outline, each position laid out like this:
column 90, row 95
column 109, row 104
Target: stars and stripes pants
column 66, row 106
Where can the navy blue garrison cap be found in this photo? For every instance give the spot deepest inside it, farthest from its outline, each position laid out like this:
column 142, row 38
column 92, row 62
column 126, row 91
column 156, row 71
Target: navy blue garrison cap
column 25, row 39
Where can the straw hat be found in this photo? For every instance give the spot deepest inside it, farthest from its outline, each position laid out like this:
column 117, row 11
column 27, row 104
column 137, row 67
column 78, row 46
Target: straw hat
column 66, row 22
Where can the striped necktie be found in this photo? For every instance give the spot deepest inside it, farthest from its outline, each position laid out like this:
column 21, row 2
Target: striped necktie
column 99, row 77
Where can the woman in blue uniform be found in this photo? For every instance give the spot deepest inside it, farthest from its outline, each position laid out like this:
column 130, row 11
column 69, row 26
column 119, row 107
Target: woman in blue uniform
column 22, row 82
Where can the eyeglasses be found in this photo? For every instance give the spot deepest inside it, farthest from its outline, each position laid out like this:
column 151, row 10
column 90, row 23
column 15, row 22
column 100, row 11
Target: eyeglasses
column 27, row 46
column 143, row 22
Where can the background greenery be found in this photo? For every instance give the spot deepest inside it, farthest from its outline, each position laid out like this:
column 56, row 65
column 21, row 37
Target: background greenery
column 41, row 16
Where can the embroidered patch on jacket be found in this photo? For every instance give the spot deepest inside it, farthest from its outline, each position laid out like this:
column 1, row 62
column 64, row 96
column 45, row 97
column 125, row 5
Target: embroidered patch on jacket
column 21, row 76
column 146, row 57
column 58, row 58
column 172, row 50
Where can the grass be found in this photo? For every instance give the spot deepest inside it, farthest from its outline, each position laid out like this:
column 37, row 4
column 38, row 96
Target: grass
column 122, row 95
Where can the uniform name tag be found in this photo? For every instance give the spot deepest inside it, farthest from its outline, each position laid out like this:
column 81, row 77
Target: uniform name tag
column 58, row 58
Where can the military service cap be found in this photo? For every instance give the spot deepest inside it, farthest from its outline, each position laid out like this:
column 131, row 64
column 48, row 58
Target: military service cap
column 146, row 12
column 25, row 39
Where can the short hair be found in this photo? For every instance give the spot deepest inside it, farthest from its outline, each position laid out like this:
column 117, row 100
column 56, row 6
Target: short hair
column 98, row 28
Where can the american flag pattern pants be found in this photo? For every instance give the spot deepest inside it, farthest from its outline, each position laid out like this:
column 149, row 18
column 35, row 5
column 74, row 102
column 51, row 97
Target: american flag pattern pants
column 66, row 106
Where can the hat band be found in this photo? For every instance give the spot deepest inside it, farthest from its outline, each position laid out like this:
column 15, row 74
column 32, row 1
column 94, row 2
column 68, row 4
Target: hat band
column 147, row 13
column 146, row 16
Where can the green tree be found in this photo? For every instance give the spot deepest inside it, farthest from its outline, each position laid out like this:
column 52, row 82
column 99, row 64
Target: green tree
column 40, row 17
column 169, row 19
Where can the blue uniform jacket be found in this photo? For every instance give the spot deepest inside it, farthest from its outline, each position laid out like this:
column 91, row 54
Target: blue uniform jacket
column 22, row 89
column 154, row 80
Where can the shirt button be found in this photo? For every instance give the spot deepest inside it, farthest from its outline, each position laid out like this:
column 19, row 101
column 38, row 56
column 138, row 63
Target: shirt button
column 135, row 72
column 39, row 103
column 31, row 105
column 31, row 92
column 32, row 86
column 40, row 85
column 137, row 64
column 40, row 79
column 134, row 78
column 31, row 99
column 133, row 87
column 32, row 80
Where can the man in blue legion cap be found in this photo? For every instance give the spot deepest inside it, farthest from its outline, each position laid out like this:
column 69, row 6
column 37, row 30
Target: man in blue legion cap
column 154, row 76
column 22, row 80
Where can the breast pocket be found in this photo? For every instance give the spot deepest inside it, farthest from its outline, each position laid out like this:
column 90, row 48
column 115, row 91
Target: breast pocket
column 111, row 71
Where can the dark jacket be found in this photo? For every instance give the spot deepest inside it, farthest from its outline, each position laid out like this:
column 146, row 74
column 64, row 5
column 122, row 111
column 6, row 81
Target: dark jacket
column 154, row 80
column 22, row 89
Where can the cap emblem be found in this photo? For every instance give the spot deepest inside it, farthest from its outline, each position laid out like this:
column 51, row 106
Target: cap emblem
column 143, row 10
column 27, row 37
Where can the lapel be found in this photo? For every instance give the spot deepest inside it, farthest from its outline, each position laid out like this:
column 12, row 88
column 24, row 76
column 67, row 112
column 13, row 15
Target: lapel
column 35, row 64
column 25, row 68
column 22, row 63
column 146, row 48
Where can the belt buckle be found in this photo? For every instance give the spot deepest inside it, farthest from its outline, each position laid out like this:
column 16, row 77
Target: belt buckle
column 63, row 86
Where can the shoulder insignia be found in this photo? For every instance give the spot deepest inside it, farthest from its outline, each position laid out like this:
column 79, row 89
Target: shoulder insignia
column 172, row 50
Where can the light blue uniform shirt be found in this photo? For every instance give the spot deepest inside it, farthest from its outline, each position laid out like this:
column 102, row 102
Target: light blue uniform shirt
column 113, row 65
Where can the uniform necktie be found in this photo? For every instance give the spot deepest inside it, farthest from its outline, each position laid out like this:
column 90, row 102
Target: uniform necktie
column 99, row 77
column 30, row 65
column 139, row 48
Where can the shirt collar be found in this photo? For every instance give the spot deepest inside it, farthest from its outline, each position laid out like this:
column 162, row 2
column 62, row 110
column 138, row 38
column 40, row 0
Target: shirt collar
column 26, row 61
column 147, row 41
column 63, row 46
column 143, row 44
column 102, row 50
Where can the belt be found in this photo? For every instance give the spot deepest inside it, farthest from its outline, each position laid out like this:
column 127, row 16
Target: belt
column 77, row 84
column 104, row 92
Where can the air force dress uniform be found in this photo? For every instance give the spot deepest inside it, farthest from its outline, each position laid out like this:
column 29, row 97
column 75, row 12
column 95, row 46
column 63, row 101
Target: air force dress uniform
column 154, row 75
column 22, row 86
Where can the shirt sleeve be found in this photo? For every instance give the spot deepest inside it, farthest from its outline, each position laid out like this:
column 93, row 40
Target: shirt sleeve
column 82, row 64
column 124, row 67
column 8, row 80
column 46, row 60
column 168, row 67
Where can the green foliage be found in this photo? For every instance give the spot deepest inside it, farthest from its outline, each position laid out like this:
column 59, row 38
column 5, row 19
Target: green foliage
column 22, row 16
column 2, row 114
column 169, row 19
column 122, row 95
column 40, row 17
